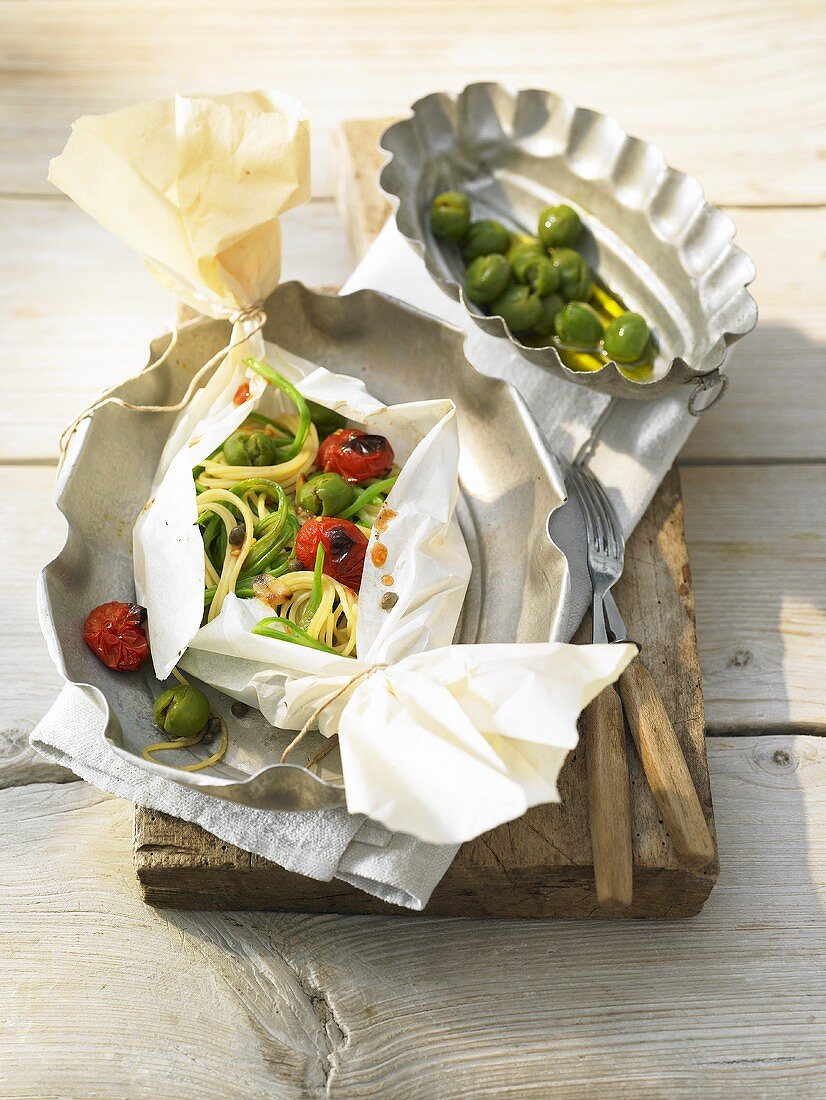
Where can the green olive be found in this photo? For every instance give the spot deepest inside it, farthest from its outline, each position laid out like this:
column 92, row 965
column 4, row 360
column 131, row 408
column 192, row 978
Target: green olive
column 325, row 420
column 578, row 326
column 559, row 225
column 486, row 278
column 483, row 238
column 524, row 242
column 181, row 711
column 626, row 338
column 519, row 306
column 325, row 495
column 450, row 215
column 537, row 271
column 250, row 449
column 550, row 307
column 574, row 274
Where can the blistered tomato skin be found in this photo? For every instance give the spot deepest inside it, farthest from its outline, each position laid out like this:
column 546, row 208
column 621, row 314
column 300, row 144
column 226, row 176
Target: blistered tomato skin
column 355, row 455
column 344, row 548
column 114, row 633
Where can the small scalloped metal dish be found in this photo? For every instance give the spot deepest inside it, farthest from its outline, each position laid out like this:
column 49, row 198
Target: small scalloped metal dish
column 649, row 233
column 509, row 484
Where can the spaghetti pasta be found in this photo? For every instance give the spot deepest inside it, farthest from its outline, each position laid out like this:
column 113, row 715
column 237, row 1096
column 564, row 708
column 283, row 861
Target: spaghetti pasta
column 280, row 524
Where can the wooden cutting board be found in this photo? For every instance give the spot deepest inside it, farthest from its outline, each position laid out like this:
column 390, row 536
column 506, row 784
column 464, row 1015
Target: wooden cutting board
column 540, row 865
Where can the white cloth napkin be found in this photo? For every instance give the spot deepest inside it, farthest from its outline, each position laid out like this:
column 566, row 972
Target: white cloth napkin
column 631, row 445
column 322, row 844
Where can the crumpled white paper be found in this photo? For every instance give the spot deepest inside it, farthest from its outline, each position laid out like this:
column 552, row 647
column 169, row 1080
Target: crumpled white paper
column 439, row 741
column 448, row 744
column 195, row 184
column 426, row 554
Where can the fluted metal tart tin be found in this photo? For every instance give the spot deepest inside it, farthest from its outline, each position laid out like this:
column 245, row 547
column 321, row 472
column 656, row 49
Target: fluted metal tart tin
column 649, row 233
column 508, row 482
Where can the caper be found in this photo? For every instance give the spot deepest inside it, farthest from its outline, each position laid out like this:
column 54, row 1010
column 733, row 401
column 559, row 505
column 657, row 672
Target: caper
column 483, row 238
column 486, row 278
column 519, row 306
column 388, row 600
column 450, row 215
column 626, row 338
column 574, row 274
column 559, row 225
column 181, row 711
column 550, row 307
column 325, row 495
column 537, row 271
column 250, row 449
column 294, row 566
column 213, row 729
column 237, row 535
column 578, row 326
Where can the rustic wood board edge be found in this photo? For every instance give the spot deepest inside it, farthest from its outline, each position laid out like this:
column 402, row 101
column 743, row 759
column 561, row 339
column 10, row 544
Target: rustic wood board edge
column 539, row 866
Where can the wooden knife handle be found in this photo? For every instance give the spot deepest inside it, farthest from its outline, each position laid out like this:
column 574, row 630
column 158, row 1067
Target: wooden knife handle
column 665, row 767
column 609, row 800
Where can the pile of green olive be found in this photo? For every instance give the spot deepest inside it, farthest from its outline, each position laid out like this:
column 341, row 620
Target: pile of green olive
column 542, row 287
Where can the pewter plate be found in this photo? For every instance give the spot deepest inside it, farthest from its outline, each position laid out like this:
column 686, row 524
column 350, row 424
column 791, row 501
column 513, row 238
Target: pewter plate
column 649, row 233
column 509, row 485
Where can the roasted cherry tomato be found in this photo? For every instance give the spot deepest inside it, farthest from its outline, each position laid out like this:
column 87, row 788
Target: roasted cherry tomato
column 355, row 455
column 344, row 548
column 114, row 632
column 242, row 394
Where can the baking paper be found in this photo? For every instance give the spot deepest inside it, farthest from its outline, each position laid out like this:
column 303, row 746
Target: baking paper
column 195, row 184
column 426, row 554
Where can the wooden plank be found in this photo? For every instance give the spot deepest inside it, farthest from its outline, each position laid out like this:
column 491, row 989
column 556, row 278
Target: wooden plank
column 698, row 80
column 774, row 406
column 31, row 535
column 80, row 311
column 109, row 997
column 758, row 551
column 104, row 998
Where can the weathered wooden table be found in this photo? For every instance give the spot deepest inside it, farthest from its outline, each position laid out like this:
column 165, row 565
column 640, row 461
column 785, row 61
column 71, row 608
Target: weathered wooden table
column 102, row 996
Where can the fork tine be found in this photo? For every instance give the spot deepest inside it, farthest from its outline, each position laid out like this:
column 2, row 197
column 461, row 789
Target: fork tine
column 608, row 517
column 582, row 496
column 601, row 503
column 594, row 521
column 596, row 537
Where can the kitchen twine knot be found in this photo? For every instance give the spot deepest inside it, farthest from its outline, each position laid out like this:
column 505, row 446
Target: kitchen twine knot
column 254, row 311
column 319, row 710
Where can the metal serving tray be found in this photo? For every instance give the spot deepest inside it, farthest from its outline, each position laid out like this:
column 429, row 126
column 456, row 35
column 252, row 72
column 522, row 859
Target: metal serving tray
column 649, row 233
column 509, row 485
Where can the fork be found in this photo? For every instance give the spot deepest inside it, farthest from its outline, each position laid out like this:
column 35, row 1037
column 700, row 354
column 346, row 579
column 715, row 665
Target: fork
column 659, row 749
column 609, row 790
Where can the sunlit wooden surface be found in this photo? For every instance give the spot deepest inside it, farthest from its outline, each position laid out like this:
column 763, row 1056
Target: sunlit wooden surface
column 104, row 997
